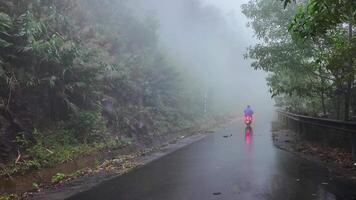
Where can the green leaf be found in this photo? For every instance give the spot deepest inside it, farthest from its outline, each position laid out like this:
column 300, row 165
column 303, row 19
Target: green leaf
column 4, row 43
column 52, row 81
column 5, row 21
column 2, row 71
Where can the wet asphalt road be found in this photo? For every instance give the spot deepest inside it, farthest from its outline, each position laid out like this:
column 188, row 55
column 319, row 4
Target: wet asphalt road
column 244, row 166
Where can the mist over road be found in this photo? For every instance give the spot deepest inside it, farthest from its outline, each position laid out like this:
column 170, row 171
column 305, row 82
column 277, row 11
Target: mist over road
column 210, row 39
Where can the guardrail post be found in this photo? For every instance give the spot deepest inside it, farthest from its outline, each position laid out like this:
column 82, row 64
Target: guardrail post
column 353, row 142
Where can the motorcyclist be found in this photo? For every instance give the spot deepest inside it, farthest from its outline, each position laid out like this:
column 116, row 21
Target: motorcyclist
column 248, row 111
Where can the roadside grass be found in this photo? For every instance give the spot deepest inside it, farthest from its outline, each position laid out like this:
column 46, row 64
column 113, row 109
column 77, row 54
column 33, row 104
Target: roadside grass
column 85, row 135
column 9, row 197
column 53, row 149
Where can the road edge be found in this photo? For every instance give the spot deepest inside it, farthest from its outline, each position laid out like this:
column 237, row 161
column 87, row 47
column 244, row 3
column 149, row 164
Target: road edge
column 72, row 187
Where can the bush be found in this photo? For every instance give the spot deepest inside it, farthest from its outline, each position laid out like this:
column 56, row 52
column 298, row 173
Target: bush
column 35, row 186
column 88, row 125
column 58, row 178
column 58, row 147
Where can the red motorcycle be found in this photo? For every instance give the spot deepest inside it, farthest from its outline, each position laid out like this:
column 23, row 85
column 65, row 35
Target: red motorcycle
column 248, row 120
column 248, row 134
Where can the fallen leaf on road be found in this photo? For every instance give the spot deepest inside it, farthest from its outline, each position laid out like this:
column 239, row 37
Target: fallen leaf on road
column 236, row 189
column 216, row 193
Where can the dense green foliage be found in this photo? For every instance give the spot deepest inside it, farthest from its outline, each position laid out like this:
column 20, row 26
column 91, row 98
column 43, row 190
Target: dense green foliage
column 309, row 53
column 77, row 74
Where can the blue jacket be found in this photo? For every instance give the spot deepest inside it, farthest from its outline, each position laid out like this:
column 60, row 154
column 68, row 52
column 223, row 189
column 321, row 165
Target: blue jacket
column 248, row 112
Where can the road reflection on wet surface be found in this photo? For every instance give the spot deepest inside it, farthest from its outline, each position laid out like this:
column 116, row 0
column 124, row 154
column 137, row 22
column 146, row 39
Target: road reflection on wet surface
column 244, row 166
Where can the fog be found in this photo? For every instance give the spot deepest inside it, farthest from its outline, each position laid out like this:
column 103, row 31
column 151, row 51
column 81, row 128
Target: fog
column 210, row 38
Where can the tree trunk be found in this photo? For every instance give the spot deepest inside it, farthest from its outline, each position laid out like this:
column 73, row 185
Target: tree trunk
column 350, row 79
column 338, row 107
column 323, row 103
column 322, row 94
column 348, row 100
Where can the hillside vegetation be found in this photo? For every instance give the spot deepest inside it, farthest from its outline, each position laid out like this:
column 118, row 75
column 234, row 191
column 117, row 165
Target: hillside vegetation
column 82, row 74
column 309, row 50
